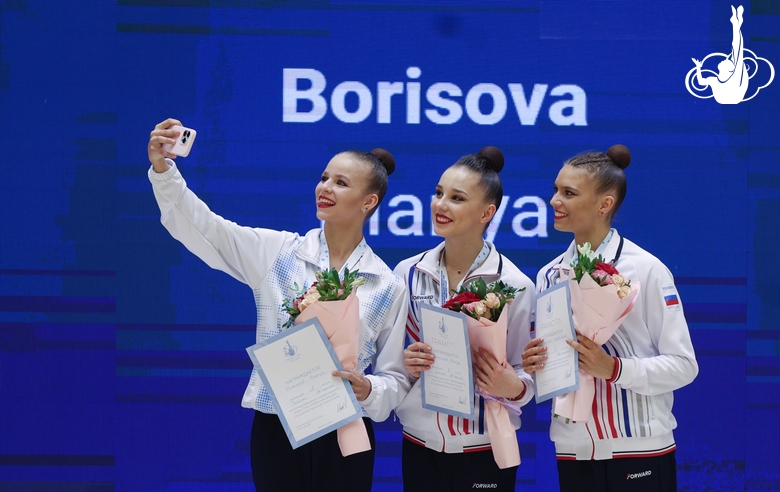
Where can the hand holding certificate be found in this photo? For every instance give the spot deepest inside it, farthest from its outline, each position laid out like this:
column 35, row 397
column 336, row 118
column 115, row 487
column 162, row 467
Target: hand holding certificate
column 341, row 323
column 597, row 301
column 600, row 300
column 334, row 303
column 296, row 368
column 487, row 330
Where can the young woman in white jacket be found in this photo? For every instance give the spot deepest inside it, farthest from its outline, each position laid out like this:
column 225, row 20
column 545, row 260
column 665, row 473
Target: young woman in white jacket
column 627, row 442
column 442, row 452
column 270, row 262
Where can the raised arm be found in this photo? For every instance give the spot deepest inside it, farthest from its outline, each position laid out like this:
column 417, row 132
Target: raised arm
column 162, row 135
column 737, row 43
column 699, row 79
column 244, row 253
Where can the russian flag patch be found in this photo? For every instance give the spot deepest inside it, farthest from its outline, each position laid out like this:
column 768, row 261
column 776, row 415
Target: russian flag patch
column 670, row 296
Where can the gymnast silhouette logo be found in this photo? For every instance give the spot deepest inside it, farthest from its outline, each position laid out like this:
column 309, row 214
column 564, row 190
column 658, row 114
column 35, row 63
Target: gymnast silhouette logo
column 729, row 85
column 290, row 350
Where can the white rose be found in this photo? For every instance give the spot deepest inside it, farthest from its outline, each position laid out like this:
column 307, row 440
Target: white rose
column 623, row 291
column 492, row 300
column 480, row 309
column 618, row 280
column 309, row 298
column 303, row 304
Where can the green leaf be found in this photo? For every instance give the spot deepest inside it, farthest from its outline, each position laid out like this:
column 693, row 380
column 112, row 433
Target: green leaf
column 481, row 288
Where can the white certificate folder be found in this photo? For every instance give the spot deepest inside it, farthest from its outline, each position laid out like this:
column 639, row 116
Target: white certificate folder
column 555, row 325
column 295, row 367
column 448, row 386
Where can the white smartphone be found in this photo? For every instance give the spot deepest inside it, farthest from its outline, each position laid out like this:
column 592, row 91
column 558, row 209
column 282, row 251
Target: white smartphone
column 183, row 141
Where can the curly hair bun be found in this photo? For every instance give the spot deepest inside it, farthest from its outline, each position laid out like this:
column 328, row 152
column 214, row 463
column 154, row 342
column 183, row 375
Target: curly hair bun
column 494, row 158
column 620, row 155
column 387, row 159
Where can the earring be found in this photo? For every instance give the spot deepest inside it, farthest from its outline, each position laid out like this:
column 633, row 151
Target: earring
column 364, row 210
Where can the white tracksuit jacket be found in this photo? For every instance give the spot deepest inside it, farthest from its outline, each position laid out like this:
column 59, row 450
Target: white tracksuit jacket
column 270, row 262
column 439, row 431
column 632, row 414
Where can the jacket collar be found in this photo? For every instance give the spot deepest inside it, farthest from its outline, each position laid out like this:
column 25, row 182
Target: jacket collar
column 309, row 251
column 491, row 267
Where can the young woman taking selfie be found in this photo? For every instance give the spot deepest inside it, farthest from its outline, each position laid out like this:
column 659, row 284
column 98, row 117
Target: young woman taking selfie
column 270, row 262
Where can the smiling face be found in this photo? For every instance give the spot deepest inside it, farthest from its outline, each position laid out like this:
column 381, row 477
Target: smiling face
column 459, row 207
column 341, row 193
column 578, row 207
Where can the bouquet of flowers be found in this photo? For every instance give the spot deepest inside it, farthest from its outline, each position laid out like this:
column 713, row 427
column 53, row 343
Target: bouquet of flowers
column 601, row 272
column 333, row 302
column 479, row 300
column 487, row 325
column 601, row 298
column 328, row 287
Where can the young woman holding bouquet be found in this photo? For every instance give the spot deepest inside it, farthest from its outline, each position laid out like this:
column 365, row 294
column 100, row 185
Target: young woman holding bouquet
column 270, row 263
column 627, row 441
column 440, row 451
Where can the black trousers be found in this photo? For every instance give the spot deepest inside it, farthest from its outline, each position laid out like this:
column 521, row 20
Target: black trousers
column 426, row 470
column 316, row 466
column 656, row 474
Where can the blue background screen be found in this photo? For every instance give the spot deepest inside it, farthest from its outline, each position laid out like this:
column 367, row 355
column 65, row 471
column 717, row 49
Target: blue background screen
column 122, row 361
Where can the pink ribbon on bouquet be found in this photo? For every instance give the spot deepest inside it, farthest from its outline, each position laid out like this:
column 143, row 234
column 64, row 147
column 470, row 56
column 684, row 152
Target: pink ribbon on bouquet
column 491, row 335
column 597, row 312
column 511, row 408
column 341, row 322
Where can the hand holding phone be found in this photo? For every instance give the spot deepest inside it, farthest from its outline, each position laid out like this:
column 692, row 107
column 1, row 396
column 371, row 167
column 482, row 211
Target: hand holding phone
column 183, row 141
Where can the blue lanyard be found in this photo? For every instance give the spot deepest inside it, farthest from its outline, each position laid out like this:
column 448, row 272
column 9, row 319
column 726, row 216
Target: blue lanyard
column 444, row 282
column 356, row 255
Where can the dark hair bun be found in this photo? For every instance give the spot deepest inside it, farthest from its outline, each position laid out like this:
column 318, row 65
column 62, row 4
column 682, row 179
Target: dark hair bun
column 387, row 159
column 494, row 158
column 620, row 155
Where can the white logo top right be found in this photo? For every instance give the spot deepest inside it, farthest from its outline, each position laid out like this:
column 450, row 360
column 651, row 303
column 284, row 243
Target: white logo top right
column 729, row 85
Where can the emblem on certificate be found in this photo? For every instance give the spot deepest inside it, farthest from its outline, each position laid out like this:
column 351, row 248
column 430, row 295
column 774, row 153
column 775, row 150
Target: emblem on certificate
column 295, row 367
column 555, row 325
column 448, row 386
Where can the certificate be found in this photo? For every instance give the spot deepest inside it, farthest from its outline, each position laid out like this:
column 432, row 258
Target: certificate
column 555, row 325
column 296, row 367
column 448, row 386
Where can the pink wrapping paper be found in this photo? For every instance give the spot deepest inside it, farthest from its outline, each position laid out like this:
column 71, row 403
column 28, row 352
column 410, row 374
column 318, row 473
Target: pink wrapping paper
column 341, row 322
column 597, row 312
column 491, row 335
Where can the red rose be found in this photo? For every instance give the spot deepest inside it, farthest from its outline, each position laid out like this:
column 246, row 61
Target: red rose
column 607, row 267
column 464, row 298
